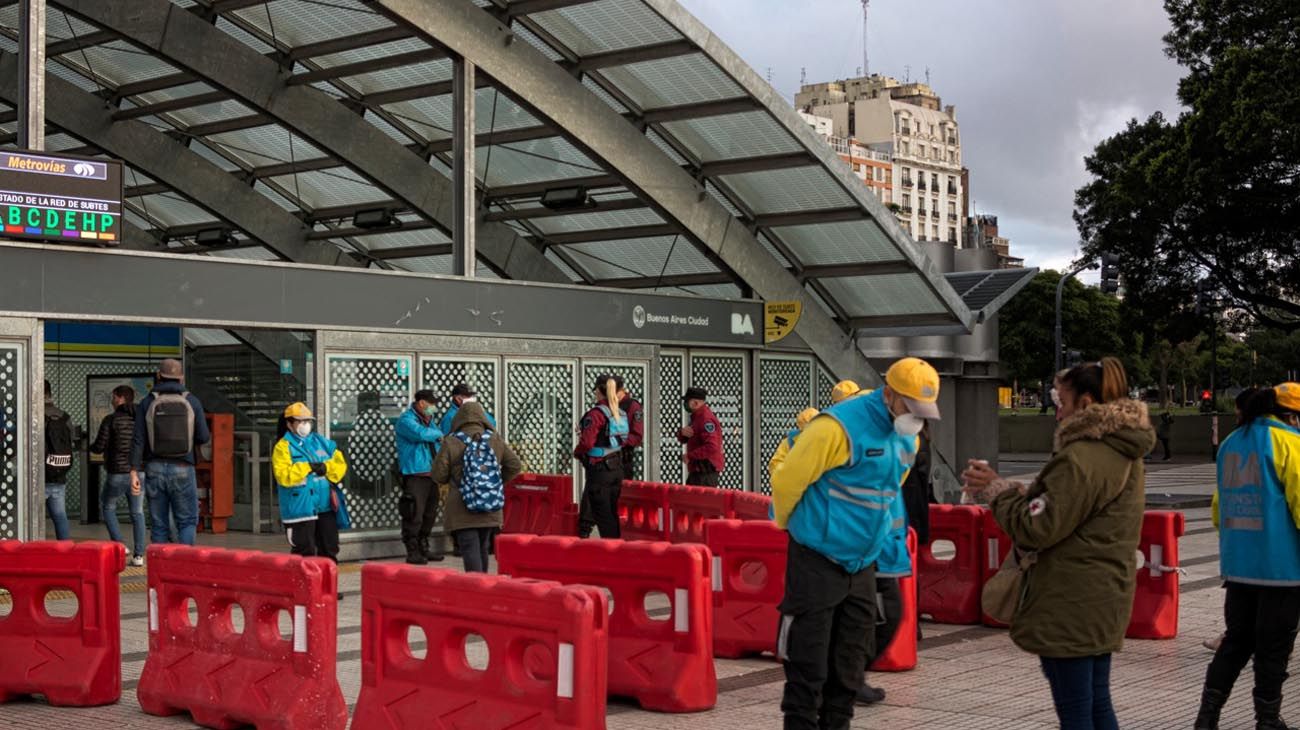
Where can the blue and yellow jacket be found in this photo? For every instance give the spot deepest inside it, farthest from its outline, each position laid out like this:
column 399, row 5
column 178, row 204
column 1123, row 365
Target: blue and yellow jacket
column 1257, row 504
column 835, row 491
column 416, row 442
column 303, row 495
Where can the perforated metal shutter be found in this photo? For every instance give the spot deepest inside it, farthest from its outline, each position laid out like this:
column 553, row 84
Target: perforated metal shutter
column 539, row 414
column 672, row 417
column 723, row 375
column 441, row 374
column 366, row 395
column 785, row 387
column 12, row 446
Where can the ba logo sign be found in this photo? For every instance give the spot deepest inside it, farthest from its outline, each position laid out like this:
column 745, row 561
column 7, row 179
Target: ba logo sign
column 741, row 324
column 638, row 316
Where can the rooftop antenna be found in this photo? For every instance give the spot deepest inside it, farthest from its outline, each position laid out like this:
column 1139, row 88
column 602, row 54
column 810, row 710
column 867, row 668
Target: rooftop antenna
column 803, row 76
column 866, row 67
column 927, row 75
column 769, row 75
column 907, row 74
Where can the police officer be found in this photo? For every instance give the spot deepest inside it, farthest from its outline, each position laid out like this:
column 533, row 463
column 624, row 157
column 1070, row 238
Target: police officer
column 835, row 495
column 636, row 426
column 602, row 432
column 703, row 439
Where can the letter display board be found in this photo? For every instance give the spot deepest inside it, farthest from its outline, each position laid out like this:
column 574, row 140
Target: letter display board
column 60, row 199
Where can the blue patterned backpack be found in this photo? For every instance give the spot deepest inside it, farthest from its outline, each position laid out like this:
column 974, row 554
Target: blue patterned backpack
column 481, row 486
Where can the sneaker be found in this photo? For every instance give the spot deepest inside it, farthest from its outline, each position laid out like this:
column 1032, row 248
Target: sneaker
column 416, row 559
column 868, row 695
column 137, row 560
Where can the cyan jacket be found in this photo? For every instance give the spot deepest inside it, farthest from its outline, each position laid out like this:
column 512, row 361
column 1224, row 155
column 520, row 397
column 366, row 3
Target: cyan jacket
column 303, row 495
column 1257, row 504
column 416, row 443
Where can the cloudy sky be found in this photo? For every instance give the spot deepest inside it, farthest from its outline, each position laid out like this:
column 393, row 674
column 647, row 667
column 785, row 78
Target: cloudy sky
column 1036, row 83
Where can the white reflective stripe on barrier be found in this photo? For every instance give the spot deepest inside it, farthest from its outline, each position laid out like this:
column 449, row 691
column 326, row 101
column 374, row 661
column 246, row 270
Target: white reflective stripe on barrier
column 300, row 629
column 153, row 610
column 681, row 611
column 564, row 672
column 993, row 553
column 661, row 516
column 1157, row 560
column 717, row 573
column 531, row 488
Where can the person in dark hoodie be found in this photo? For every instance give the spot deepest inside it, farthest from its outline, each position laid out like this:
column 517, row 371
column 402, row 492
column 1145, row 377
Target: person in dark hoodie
column 472, row 513
column 116, row 432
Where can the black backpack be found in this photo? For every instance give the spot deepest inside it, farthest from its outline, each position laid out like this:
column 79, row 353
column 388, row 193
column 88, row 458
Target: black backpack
column 170, row 426
column 58, row 447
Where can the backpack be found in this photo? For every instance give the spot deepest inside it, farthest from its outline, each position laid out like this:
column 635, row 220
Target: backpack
column 170, row 425
column 481, row 486
column 58, row 447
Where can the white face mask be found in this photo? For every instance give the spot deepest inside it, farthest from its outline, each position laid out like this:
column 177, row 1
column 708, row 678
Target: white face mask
column 908, row 425
column 303, row 429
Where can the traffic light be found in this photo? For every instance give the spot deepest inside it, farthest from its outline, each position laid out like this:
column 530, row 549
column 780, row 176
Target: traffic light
column 1110, row 273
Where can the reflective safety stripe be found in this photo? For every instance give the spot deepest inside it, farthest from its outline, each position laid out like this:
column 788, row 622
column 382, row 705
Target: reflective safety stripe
column 717, row 573
column 153, row 610
column 783, row 638
column 863, row 491
column 1252, row 524
column 300, row 629
column 898, row 524
column 681, row 611
column 564, row 672
column 853, row 500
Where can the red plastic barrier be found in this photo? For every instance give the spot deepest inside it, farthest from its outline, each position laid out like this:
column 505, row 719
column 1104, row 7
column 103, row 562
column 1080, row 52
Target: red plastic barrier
column 689, row 507
column 950, row 589
column 540, row 504
column 665, row 663
column 277, row 672
column 1155, row 603
column 750, row 506
column 997, row 544
column 900, row 655
column 74, row 661
column 643, row 510
column 546, row 648
column 748, row 583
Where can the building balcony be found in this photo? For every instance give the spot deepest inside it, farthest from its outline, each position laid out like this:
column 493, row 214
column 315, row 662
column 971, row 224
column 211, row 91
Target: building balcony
column 906, row 210
column 934, row 214
column 920, row 185
column 907, row 182
column 920, row 212
column 952, row 189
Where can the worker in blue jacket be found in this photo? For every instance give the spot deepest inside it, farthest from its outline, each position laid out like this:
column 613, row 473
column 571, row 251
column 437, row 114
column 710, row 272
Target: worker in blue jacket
column 308, row 469
column 461, row 394
column 1257, row 510
column 417, row 439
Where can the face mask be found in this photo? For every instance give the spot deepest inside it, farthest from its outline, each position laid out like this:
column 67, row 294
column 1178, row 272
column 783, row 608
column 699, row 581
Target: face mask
column 908, row 425
column 428, row 410
column 303, row 429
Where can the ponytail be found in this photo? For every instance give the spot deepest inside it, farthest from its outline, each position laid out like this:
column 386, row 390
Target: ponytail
column 1114, row 381
column 1104, row 381
column 611, row 395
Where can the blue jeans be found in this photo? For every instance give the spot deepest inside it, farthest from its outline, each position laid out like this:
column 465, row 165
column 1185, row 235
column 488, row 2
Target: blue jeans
column 116, row 486
column 56, row 507
column 1081, row 692
column 173, row 495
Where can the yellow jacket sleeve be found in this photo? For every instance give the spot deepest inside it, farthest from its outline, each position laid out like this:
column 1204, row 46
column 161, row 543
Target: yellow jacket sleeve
column 336, row 468
column 1286, row 460
column 779, row 457
column 287, row 473
column 822, row 446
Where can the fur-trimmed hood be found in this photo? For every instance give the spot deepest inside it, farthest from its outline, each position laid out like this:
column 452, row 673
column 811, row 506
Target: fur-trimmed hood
column 1122, row 424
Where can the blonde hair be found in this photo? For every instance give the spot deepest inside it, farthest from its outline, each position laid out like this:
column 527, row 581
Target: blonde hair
column 611, row 395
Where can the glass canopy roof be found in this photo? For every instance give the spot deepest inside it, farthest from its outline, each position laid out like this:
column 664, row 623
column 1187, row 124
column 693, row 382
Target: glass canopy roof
column 809, row 213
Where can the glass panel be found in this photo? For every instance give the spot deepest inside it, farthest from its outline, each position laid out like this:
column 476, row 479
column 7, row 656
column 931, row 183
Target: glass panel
column 724, row 377
column 299, row 22
column 849, row 242
column 367, row 393
column 539, row 418
column 783, row 391
column 671, row 416
column 598, row 221
column 793, row 189
column 750, row 134
column 553, row 158
column 883, row 294
column 640, row 257
column 13, row 417
column 606, row 25
column 442, row 374
column 634, row 378
column 673, row 81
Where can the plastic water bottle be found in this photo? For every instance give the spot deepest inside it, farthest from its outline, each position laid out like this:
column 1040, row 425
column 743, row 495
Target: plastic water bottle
column 966, row 498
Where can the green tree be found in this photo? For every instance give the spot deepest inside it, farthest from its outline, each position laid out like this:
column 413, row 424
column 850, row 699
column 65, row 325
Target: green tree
column 1090, row 323
column 1216, row 192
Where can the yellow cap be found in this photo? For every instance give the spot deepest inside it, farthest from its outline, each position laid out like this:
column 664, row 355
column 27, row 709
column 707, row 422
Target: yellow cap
column 1288, row 396
column 844, row 390
column 804, row 417
column 299, row 412
column 918, row 383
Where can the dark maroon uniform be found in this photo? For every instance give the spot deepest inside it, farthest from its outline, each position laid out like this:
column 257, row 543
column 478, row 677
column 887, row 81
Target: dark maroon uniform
column 703, row 448
column 604, row 475
column 636, row 426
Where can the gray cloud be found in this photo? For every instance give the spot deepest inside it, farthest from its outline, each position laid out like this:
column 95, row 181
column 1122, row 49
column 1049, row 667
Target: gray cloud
column 1036, row 83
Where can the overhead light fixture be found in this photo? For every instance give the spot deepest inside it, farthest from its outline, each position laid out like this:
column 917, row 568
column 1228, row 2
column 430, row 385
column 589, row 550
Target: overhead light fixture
column 214, row 237
column 565, row 198
column 373, row 218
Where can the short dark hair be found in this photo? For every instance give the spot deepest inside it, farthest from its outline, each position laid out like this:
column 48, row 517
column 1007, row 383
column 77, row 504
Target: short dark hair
column 126, row 393
column 1262, row 403
column 426, row 395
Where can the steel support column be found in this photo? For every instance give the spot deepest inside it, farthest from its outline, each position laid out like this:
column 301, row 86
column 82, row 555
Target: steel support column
column 83, row 115
column 31, row 74
column 192, row 44
column 463, row 135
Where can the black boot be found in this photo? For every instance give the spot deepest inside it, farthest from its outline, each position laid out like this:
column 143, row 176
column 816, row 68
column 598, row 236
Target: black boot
column 1212, row 702
column 430, row 555
column 414, row 555
column 1268, row 714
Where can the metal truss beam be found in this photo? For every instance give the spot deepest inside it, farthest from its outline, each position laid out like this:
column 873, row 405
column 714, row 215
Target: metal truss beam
column 188, row 42
column 557, row 96
column 83, row 115
column 655, row 282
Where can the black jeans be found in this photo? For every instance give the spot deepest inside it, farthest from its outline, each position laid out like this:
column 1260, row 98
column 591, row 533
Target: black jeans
column 826, row 633
column 418, row 508
column 702, row 476
column 474, row 543
column 889, row 613
column 1261, row 623
column 599, row 507
column 1081, row 692
column 315, row 538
